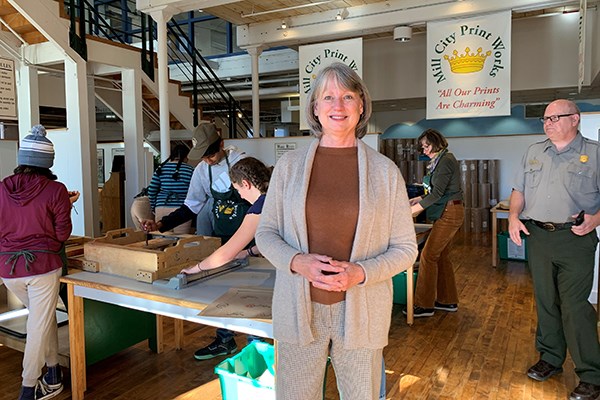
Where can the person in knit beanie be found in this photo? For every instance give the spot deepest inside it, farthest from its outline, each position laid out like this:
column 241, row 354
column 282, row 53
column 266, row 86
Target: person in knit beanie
column 36, row 149
column 35, row 211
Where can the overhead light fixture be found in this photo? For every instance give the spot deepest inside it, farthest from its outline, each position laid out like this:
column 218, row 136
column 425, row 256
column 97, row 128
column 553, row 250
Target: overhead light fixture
column 284, row 24
column 402, row 33
column 341, row 14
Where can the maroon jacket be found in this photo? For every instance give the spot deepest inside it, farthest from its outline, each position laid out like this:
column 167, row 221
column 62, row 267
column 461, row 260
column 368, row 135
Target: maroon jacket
column 35, row 214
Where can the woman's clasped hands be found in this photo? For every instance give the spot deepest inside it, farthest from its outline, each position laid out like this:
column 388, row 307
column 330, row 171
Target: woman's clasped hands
column 326, row 273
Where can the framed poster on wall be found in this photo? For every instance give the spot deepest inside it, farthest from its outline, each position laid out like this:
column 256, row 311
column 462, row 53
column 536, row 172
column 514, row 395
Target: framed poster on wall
column 100, row 156
column 116, row 151
column 8, row 92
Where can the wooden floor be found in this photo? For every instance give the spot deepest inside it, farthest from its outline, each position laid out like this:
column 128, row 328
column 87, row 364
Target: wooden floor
column 480, row 352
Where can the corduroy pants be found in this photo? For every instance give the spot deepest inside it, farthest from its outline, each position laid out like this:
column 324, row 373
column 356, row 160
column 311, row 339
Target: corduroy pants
column 436, row 274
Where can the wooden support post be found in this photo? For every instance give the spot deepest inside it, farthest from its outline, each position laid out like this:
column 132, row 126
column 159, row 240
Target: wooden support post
column 77, row 344
column 410, row 288
column 160, row 343
column 178, row 326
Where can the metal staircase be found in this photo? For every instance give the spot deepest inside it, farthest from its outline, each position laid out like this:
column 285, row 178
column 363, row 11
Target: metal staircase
column 208, row 95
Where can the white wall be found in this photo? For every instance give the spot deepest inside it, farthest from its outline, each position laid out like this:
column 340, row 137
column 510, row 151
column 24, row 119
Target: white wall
column 265, row 148
column 52, row 90
column 394, row 70
column 380, row 121
column 8, row 157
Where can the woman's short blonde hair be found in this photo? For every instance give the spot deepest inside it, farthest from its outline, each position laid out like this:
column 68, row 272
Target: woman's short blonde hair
column 348, row 79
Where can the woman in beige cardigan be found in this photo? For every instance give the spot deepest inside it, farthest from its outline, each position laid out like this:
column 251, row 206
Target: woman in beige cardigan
column 337, row 226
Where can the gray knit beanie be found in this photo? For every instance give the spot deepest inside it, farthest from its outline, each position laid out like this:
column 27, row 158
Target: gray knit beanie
column 36, row 150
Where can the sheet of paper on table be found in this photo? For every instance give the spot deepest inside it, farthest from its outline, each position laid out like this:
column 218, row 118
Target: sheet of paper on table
column 242, row 302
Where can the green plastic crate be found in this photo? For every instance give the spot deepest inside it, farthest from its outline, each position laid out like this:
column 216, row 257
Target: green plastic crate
column 399, row 282
column 510, row 251
column 249, row 375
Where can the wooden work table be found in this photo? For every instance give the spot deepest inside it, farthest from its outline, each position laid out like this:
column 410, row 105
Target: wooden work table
column 184, row 304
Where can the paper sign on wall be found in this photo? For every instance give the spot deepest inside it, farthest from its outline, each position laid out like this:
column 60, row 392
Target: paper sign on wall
column 282, row 148
column 8, row 99
column 469, row 67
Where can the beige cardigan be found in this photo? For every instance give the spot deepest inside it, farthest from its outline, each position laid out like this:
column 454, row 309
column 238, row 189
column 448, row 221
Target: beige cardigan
column 384, row 245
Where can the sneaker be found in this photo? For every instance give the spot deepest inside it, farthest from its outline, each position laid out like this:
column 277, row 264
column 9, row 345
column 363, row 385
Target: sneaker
column 421, row 312
column 53, row 377
column 585, row 391
column 215, row 349
column 39, row 392
column 27, row 393
column 446, row 307
column 543, row 370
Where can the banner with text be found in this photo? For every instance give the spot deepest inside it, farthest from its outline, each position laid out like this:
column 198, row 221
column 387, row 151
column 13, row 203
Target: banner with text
column 8, row 92
column 469, row 67
column 315, row 57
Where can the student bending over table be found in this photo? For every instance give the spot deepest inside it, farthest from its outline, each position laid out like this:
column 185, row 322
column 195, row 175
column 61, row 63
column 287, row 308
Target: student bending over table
column 250, row 177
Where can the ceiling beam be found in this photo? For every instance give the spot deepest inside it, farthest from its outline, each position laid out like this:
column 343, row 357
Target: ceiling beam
column 179, row 6
column 372, row 19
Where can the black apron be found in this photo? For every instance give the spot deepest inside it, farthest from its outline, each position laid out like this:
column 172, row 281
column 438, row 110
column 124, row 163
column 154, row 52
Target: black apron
column 228, row 209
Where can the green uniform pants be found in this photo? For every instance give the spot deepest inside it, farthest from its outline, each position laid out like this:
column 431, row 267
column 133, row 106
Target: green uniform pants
column 562, row 268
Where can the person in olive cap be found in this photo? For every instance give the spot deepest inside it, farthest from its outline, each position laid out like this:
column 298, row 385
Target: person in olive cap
column 217, row 205
column 211, row 197
column 35, row 211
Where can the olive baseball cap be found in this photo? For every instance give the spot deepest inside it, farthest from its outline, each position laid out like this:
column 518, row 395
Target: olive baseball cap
column 204, row 137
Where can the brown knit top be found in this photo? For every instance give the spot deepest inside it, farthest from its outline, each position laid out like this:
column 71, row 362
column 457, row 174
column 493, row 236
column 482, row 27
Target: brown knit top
column 332, row 209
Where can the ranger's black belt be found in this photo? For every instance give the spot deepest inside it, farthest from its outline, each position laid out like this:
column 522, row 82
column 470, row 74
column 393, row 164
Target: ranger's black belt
column 552, row 226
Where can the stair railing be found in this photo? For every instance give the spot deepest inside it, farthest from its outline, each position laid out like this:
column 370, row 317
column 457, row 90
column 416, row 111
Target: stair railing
column 196, row 67
column 208, row 91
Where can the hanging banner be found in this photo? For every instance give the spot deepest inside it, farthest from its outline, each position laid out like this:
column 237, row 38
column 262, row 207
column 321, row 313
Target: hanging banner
column 8, row 97
column 469, row 67
column 313, row 58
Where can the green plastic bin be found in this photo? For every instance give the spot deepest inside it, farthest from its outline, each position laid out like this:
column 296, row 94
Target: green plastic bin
column 249, row 375
column 399, row 282
column 510, row 251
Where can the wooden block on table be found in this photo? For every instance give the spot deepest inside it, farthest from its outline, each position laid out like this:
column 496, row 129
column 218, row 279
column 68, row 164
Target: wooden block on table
column 123, row 252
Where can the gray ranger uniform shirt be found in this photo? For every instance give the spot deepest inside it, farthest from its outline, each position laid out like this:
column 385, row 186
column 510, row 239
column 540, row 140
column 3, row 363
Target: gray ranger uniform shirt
column 559, row 184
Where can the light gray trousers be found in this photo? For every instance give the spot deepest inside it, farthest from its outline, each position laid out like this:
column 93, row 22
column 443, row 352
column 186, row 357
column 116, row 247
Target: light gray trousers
column 301, row 369
column 39, row 294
